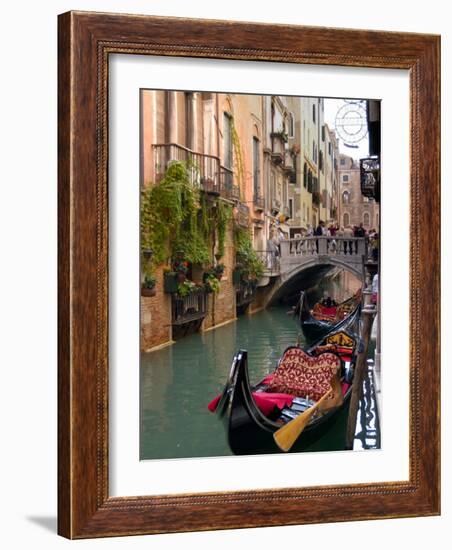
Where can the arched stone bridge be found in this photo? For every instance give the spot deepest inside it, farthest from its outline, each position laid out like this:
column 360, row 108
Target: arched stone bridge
column 309, row 258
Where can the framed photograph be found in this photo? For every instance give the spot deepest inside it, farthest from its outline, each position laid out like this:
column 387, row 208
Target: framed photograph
column 249, row 295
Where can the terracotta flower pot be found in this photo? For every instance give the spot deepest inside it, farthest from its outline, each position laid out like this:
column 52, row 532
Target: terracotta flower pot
column 148, row 292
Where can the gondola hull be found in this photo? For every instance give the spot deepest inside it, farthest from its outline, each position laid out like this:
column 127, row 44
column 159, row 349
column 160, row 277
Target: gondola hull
column 314, row 329
column 250, row 432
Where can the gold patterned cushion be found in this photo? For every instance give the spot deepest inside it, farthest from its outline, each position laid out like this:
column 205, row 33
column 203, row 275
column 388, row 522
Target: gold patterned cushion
column 302, row 375
column 341, row 339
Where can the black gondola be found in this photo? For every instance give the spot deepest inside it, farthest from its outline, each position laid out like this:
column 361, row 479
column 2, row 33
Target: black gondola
column 315, row 324
column 250, row 431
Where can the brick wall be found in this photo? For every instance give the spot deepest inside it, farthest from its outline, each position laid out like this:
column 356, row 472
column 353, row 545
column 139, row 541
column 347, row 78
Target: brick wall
column 221, row 306
column 156, row 317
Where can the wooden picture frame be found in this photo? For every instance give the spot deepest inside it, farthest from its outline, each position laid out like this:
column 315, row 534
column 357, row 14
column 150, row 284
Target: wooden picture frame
column 86, row 40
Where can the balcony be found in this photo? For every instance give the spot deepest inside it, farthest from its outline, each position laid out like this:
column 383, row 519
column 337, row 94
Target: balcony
column 204, row 171
column 270, row 259
column 189, row 308
column 228, row 189
column 370, row 177
column 279, row 147
column 244, row 295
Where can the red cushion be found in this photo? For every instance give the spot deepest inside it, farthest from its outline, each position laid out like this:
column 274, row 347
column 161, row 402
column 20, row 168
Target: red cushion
column 265, row 401
column 328, row 310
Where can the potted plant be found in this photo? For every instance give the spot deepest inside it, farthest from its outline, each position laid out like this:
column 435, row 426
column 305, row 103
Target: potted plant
column 218, row 271
column 186, row 288
column 148, row 287
column 181, row 269
column 212, row 284
column 281, row 135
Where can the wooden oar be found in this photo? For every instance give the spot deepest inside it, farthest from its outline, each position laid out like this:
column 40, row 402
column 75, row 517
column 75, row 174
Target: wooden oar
column 286, row 436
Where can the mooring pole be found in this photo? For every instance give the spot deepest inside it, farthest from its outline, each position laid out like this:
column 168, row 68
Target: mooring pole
column 358, row 378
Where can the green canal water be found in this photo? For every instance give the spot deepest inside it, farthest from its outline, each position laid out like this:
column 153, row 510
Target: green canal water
column 177, row 382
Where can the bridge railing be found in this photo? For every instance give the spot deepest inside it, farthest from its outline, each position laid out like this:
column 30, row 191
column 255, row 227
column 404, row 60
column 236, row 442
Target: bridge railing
column 348, row 249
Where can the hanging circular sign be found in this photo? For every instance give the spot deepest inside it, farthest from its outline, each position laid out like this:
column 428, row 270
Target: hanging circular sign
column 351, row 122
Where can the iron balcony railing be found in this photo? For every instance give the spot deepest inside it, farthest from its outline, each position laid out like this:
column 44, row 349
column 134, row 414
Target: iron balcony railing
column 204, row 170
column 189, row 308
column 227, row 187
column 370, row 177
column 270, row 259
column 245, row 293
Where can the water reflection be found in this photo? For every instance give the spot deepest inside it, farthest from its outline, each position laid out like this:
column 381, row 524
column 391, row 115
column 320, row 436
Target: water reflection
column 177, row 382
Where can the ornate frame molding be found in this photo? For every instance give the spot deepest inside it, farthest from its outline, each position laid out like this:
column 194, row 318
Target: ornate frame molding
column 85, row 42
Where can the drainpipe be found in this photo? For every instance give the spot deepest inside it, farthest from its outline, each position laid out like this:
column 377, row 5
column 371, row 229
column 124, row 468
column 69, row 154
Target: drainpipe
column 171, row 128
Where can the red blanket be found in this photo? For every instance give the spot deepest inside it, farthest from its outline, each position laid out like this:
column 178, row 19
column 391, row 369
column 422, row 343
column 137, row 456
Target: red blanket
column 265, row 401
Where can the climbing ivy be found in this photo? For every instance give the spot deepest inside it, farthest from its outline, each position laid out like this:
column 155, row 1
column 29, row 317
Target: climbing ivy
column 179, row 222
column 249, row 263
column 238, row 158
column 223, row 217
column 168, row 209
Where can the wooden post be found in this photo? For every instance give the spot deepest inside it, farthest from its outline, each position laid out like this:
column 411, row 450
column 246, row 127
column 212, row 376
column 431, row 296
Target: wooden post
column 358, row 379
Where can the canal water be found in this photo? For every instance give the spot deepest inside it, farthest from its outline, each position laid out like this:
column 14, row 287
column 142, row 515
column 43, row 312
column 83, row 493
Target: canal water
column 177, row 382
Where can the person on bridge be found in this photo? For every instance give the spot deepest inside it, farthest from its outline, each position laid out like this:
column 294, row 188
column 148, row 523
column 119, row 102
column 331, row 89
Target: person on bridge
column 319, row 229
column 360, row 232
column 331, row 232
column 319, row 232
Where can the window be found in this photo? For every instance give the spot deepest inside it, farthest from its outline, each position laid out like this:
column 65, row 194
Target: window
column 366, row 219
column 321, row 160
column 290, row 208
column 346, row 219
column 293, row 173
column 345, row 178
column 329, row 148
column 342, row 161
column 256, row 166
column 305, row 175
column 313, row 114
column 291, row 129
column 323, row 132
column 345, row 197
column 227, row 140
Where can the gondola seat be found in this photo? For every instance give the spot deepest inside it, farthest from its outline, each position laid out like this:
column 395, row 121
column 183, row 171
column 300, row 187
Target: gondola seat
column 340, row 343
column 341, row 339
column 304, row 375
column 323, row 313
